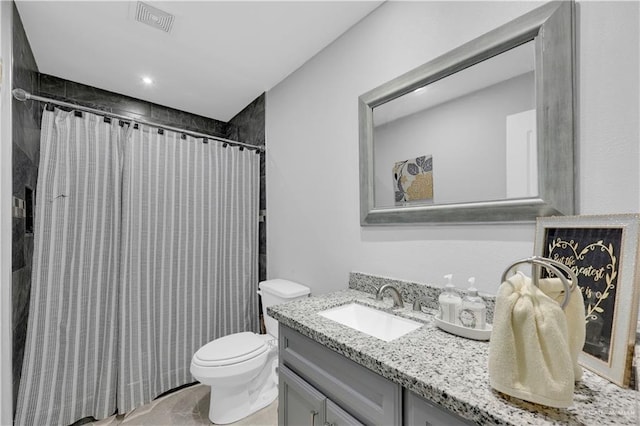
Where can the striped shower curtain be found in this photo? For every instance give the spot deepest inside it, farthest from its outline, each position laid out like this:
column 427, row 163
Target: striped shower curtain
column 69, row 370
column 145, row 249
column 189, row 250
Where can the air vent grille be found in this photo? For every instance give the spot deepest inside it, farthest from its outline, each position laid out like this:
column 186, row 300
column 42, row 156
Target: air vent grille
column 154, row 17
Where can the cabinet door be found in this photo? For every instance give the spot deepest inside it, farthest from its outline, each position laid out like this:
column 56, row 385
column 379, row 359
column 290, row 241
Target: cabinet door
column 299, row 403
column 336, row 416
column 420, row 412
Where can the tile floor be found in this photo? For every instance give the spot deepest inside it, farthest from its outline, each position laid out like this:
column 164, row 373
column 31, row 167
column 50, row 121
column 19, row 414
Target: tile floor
column 188, row 406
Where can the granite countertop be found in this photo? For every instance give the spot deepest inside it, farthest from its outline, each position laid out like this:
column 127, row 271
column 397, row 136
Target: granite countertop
column 451, row 370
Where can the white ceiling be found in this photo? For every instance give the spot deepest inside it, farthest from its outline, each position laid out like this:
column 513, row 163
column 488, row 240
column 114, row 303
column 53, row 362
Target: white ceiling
column 514, row 62
column 219, row 56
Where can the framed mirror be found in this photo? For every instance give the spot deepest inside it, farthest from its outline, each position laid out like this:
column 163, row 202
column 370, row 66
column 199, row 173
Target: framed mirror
column 481, row 134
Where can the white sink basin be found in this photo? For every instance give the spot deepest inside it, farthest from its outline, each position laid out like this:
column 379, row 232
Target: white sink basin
column 374, row 322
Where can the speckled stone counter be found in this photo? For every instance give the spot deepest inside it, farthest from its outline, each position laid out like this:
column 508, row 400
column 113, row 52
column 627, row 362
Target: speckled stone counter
column 451, row 370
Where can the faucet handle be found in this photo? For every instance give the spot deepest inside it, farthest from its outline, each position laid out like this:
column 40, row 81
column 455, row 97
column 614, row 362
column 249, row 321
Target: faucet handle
column 419, row 303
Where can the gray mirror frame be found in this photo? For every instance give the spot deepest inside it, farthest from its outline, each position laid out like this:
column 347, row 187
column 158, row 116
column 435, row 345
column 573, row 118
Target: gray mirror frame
column 551, row 26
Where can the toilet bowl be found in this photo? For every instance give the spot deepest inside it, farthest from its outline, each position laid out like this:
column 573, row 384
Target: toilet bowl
column 241, row 368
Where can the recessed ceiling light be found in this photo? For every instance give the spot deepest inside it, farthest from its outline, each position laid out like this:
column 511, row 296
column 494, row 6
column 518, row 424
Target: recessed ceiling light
column 147, row 80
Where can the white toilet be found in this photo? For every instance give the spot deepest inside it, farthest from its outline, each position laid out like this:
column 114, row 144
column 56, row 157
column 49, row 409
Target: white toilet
column 241, row 367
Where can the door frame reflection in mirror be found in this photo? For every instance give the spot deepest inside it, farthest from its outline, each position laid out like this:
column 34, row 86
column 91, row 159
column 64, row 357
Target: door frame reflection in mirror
column 551, row 27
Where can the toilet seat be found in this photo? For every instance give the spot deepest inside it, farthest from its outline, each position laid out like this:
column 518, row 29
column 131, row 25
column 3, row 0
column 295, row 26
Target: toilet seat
column 229, row 350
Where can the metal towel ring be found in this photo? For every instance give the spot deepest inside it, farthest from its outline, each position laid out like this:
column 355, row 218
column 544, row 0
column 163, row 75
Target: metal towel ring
column 553, row 265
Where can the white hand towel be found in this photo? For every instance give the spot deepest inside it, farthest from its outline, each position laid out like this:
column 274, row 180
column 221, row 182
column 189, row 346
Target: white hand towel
column 529, row 349
column 575, row 314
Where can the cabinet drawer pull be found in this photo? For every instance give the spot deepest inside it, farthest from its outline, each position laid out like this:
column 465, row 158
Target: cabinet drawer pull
column 314, row 413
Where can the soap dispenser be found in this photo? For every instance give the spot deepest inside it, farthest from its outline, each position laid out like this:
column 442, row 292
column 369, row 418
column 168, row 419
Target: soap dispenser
column 449, row 302
column 473, row 312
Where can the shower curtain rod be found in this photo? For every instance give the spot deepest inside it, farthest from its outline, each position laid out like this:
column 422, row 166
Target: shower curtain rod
column 23, row 96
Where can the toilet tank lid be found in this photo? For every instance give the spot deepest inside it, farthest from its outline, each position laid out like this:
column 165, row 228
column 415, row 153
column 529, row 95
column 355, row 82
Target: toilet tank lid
column 284, row 288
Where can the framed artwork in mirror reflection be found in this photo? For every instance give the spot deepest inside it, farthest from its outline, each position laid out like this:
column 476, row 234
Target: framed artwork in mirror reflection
column 413, row 180
column 603, row 253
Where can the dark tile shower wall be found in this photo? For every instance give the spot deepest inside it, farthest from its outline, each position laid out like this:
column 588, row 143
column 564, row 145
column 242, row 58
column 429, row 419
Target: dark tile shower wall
column 61, row 89
column 26, row 154
column 248, row 126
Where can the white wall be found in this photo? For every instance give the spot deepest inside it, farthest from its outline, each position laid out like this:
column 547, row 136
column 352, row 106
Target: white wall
column 313, row 231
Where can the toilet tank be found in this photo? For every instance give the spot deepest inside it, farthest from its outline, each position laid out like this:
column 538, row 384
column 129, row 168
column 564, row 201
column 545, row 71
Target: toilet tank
column 276, row 292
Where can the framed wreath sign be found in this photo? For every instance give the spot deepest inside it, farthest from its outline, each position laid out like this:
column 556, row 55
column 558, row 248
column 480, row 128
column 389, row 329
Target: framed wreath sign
column 603, row 253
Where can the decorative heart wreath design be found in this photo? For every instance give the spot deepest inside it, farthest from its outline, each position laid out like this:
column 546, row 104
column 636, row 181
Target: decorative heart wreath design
column 609, row 271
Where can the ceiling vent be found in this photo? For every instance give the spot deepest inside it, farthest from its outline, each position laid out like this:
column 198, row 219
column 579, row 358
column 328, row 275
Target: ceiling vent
column 154, row 17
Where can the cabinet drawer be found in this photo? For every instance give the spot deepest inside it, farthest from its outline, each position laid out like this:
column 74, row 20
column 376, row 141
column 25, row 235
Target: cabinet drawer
column 420, row 412
column 369, row 397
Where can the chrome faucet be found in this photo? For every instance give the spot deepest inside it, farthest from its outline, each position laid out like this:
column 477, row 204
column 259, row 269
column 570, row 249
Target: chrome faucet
column 395, row 294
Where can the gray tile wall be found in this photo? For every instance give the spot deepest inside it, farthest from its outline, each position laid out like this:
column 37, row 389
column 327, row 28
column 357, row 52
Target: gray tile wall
column 248, row 126
column 61, row 89
column 26, row 153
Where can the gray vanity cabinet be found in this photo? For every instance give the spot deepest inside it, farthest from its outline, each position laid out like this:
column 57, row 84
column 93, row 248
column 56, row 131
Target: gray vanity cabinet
column 320, row 387
column 336, row 416
column 302, row 404
column 299, row 402
column 352, row 394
